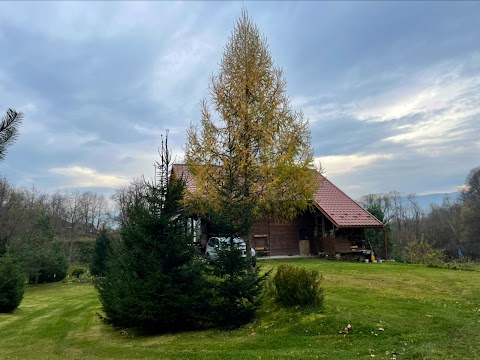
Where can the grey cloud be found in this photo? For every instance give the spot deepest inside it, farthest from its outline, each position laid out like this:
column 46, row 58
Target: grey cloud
column 101, row 81
column 346, row 135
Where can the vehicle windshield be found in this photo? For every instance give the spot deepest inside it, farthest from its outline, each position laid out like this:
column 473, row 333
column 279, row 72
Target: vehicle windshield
column 235, row 240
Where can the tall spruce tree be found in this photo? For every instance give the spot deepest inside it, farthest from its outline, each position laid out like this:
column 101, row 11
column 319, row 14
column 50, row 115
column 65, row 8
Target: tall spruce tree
column 154, row 280
column 470, row 214
column 41, row 255
column 12, row 283
column 251, row 156
column 102, row 250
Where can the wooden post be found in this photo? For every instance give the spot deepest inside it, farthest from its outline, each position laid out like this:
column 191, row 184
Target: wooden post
column 268, row 238
column 385, row 242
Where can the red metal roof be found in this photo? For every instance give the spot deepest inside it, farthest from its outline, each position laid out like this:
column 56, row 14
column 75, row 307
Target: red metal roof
column 181, row 172
column 337, row 206
column 340, row 208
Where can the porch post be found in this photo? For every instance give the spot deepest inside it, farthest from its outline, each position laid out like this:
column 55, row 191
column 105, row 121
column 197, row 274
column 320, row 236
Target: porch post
column 385, row 242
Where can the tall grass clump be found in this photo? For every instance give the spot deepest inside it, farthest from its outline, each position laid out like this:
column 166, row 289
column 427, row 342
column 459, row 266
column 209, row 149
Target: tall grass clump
column 296, row 286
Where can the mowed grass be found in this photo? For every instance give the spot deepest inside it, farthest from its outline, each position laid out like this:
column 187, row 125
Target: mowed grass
column 426, row 313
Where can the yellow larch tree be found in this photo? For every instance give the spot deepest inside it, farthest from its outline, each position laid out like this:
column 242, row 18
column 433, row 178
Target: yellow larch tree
column 251, row 155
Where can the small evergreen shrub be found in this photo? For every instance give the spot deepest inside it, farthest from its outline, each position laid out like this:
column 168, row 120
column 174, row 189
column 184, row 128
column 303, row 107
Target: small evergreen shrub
column 235, row 290
column 297, row 286
column 12, row 283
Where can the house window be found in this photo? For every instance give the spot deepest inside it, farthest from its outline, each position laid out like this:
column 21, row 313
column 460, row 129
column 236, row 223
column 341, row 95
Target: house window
column 260, row 242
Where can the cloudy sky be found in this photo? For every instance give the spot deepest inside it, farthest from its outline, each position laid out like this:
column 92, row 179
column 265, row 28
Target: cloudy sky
column 391, row 89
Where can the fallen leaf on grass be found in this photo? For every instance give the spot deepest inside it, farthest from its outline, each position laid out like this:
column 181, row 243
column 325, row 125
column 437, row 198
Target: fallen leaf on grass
column 347, row 329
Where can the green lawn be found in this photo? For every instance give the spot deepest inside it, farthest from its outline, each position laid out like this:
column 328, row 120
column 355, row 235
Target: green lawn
column 426, row 313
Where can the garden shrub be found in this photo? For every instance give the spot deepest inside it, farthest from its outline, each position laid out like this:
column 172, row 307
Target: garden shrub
column 420, row 251
column 77, row 271
column 463, row 264
column 297, row 286
column 12, row 282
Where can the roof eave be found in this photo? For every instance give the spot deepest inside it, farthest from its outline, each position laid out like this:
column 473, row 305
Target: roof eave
column 325, row 214
column 379, row 226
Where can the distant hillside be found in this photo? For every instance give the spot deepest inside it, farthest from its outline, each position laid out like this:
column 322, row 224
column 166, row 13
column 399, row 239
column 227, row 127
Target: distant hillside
column 425, row 200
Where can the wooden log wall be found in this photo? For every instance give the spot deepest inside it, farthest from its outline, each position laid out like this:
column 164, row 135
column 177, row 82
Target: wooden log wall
column 283, row 237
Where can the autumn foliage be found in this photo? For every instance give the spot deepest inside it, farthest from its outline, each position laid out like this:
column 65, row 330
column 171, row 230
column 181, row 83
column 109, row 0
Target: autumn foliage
column 251, row 154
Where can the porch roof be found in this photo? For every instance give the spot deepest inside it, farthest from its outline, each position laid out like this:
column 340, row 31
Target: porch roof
column 340, row 209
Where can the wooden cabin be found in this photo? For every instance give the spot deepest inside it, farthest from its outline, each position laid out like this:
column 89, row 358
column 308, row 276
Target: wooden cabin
column 334, row 227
